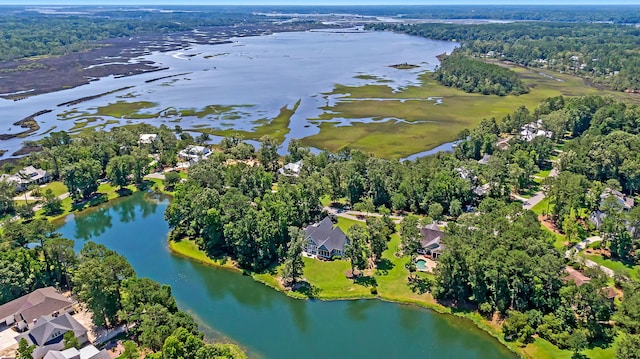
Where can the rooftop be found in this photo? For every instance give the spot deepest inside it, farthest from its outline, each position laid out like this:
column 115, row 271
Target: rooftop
column 43, row 301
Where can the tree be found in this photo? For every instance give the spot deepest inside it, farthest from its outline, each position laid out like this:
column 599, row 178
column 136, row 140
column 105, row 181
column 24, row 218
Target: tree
column 269, row 153
column 61, row 256
column 24, row 349
column 98, row 280
column 52, row 204
column 355, row 249
column 435, row 211
column 119, row 170
column 455, row 208
column 70, row 341
column 171, row 179
column 410, row 235
column 628, row 347
column 293, row 265
column 130, row 350
column 378, row 235
column 577, row 341
column 81, row 178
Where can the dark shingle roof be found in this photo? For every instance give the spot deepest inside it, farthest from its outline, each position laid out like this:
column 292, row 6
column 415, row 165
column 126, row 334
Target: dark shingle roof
column 44, row 301
column 326, row 236
column 431, row 237
column 45, row 326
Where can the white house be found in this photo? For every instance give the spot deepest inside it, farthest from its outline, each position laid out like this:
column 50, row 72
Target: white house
column 25, row 177
column 88, row 352
column 532, row 130
column 147, row 138
column 194, row 153
column 291, row 169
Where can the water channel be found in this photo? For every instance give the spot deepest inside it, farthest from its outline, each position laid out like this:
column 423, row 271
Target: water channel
column 265, row 322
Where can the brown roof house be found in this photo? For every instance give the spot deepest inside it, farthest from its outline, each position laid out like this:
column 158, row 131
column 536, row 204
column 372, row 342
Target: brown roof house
column 431, row 243
column 324, row 240
column 48, row 333
column 575, row 277
column 23, row 311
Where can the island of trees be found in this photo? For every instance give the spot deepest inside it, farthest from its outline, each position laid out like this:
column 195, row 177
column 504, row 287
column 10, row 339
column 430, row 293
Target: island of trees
column 469, row 75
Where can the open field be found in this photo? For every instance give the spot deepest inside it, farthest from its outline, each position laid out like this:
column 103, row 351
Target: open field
column 424, row 123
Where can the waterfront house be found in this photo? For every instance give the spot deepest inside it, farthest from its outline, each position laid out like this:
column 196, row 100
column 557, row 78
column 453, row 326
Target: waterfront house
column 532, row 130
column 25, row 177
column 324, row 240
column 22, row 311
column 431, row 243
column 194, row 153
column 48, row 333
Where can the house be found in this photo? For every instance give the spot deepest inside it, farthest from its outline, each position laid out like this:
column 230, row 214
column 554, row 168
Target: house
column 48, row 333
column 621, row 201
column 431, row 243
column 194, row 153
column 575, row 276
column 147, row 138
column 324, row 240
column 88, row 352
column 291, row 169
column 22, row 311
column 25, row 177
column 532, row 130
column 484, row 160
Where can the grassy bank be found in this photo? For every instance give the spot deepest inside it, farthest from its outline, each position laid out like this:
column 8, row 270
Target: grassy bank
column 328, row 282
column 426, row 124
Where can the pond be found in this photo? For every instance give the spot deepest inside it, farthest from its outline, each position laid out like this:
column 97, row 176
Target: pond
column 265, row 322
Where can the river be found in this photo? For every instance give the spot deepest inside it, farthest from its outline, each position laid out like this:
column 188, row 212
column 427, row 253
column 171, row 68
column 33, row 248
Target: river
column 250, row 79
column 265, row 322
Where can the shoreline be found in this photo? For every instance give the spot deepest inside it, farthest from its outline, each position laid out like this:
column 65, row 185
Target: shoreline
column 473, row 317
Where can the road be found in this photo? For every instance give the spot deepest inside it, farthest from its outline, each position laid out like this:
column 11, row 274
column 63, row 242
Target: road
column 357, row 216
column 589, row 263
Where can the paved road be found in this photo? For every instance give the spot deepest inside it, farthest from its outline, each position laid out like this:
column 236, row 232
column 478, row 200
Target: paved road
column 589, row 263
column 357, row 216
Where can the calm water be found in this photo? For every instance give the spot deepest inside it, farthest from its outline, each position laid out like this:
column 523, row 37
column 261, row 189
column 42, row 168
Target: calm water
column 259, row 75
column 267, row 323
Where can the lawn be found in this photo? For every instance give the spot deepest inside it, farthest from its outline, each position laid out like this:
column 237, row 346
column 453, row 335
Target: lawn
column 425, row 124
column 56, row 187
column 614, row 265
column 542, row 349
column 541, row 207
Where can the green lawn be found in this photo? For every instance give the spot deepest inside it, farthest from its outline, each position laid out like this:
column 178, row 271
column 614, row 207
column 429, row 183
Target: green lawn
column 541, row 207
column 56, row 187
column 614, row 265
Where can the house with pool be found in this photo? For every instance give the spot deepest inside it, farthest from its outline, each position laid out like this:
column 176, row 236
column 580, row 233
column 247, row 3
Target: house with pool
column 431, row 243
column 324, row 240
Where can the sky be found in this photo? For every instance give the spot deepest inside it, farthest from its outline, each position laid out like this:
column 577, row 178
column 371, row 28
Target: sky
column 318, row 2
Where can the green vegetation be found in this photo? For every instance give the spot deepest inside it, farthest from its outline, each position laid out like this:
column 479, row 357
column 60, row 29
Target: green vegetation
column 127, row 110
column 577, row 48
column 469, row 75
column 427, row 124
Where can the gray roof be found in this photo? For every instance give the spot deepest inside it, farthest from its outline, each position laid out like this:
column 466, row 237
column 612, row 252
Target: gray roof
column 326, row 236
column 88, row 352
column 43, row 301
column 43, row 332
column 432, row 236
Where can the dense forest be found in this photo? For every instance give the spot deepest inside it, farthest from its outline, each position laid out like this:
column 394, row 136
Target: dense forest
column 27, row 33
column 107, row 284
column 460, row 71
column 605, row 53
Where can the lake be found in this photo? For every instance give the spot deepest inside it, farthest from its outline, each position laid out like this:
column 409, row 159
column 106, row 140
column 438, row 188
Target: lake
column 265, row 322
column 249, row 80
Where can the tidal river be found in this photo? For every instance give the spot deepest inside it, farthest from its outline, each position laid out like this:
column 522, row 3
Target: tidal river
column 265, row 322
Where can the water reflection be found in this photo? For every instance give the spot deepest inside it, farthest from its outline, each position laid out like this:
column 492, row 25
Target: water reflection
column 95, row 225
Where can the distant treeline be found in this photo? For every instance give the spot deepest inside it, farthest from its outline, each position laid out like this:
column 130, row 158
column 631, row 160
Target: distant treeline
column 472, row 75
column 607, row 54
column 26, row 34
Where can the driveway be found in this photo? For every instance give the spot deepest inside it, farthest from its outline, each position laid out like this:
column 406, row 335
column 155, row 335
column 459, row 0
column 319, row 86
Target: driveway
column 589, row 263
